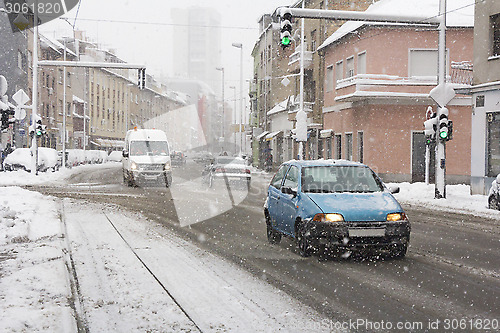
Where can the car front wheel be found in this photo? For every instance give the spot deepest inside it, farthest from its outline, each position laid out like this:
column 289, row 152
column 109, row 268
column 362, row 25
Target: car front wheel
column 399, row 251
column 273, row 236
column 303, row 244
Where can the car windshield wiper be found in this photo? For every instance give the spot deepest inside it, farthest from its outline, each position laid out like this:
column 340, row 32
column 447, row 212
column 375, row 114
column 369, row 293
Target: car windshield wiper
column 317, row 190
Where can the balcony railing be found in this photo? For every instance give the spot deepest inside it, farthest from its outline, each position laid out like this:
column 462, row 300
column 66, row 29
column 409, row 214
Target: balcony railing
column 294, row 59
column 363, row 86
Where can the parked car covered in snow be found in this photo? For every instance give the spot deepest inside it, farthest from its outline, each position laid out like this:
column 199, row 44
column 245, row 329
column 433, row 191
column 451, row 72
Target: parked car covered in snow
column 114, row 156
column 494, row 195
column 20, row 159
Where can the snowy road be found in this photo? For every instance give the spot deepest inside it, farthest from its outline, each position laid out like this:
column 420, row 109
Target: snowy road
column 174, row 286
column 450, row 273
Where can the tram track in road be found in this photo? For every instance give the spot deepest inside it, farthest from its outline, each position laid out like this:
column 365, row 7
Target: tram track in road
column 156, row 278
column 78, row 299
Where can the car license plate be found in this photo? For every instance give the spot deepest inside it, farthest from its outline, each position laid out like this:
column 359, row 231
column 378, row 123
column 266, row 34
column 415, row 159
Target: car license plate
column 367, row 232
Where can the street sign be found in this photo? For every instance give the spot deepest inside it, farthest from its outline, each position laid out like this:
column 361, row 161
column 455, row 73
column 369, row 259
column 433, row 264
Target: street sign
column 20, row 98
column 19, row 113
column 442, row 94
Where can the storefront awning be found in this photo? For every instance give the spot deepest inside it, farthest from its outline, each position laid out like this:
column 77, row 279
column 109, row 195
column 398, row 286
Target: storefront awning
column 271, row 136
column 261, row 135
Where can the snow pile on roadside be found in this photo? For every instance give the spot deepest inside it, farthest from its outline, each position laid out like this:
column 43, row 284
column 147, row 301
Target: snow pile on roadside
column 34, row 289
column 458, row 199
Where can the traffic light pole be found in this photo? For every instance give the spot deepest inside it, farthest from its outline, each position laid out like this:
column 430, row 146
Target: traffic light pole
column 440, row 184
column 34, row 97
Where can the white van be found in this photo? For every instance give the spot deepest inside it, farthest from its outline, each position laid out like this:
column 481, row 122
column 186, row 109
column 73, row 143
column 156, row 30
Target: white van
column 146, row 157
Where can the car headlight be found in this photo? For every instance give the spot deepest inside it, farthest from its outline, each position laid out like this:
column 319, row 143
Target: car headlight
column 167, row 166
column 133, row 166
column 394, row 217
column 328, row 218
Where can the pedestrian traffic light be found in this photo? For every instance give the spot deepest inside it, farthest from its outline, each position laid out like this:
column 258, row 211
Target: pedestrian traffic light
column 443, row 124
column 430, row 126
column 286, row 28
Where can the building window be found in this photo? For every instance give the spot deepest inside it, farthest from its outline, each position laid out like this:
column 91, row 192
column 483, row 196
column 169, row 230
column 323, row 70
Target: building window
column 480, row 101
column 329, row 147
column 350, row 66
column 339, row 70
column 495, row 24
column 360, row 147
column 338, row 146
column 424, row 62
column 313, row 40
column 329, row 78
column 362, row 63
column 348, row 146
column 493, row 119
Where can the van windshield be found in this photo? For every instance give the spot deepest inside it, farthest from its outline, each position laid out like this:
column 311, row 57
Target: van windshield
column 140, row 148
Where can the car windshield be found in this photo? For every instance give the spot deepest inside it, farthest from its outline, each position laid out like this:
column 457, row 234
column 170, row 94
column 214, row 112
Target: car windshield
column 330, row 179
column 154, row 148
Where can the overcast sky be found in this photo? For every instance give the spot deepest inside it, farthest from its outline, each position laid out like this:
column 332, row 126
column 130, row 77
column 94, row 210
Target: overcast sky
column 151, row 44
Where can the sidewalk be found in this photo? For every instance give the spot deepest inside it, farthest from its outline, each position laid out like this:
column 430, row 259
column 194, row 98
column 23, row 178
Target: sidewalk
column 34, row 282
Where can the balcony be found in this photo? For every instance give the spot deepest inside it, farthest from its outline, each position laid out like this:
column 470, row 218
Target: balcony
column 378, row 86
column 294, row 60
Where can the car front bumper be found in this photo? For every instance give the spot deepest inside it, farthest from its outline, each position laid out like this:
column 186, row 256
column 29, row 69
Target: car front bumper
column 358, row 234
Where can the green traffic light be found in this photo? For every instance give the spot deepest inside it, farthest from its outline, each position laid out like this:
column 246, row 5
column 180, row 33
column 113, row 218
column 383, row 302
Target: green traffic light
column 443, row 135
column 286, row 41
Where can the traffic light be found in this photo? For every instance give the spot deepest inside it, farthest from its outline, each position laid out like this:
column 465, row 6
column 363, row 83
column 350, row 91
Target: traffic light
column 430, row 127
column 443, row 124
column 286, row 28
column 5, row 119
column 40, row 129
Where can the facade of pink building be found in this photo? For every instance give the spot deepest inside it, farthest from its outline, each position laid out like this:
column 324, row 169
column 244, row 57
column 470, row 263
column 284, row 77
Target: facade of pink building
column 377, row 81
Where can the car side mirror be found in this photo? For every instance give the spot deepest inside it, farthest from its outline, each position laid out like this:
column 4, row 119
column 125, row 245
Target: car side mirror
column 394, row 189
column 125, row 153
column 288, row 190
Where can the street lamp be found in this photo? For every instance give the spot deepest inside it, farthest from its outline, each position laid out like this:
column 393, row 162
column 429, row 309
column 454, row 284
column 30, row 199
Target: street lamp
column 223, row 107
column 234, row 88
column 240, row 46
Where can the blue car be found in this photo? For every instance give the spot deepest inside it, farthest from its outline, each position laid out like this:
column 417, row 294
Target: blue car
column 334, row 205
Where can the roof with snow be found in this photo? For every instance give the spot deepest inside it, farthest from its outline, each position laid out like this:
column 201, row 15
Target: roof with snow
column 460, row 13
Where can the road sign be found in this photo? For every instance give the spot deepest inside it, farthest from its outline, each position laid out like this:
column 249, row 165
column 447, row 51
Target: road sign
column 19, row 113
column 20, row 98
column 442, row 94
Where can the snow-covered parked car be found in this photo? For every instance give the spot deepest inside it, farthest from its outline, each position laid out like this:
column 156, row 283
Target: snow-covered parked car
column 114, row 156
column 75, row 157
column 20, row 159
column 494, row 195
